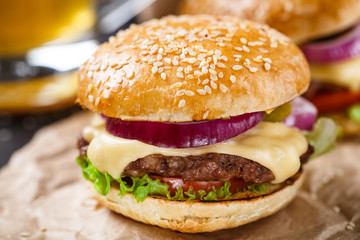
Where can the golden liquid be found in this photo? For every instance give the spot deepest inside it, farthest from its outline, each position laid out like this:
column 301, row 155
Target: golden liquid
column 25, row 24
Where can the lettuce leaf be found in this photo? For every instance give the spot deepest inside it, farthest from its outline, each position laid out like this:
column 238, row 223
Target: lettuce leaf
column 323, row 136
column 354, row 113
column 145, row 186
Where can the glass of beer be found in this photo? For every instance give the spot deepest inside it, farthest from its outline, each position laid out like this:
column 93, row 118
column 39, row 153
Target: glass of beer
column 42, row 42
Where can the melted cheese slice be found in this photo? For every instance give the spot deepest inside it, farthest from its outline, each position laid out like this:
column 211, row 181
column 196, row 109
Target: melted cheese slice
column 344, row 73
column 272, row 145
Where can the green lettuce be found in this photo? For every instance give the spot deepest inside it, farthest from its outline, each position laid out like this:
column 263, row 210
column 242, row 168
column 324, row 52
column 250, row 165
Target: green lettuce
column 354, row 113
column 145, row 186
column 323, row 136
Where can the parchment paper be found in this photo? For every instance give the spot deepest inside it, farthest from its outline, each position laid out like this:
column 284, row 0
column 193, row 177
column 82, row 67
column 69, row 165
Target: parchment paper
column 43, row 196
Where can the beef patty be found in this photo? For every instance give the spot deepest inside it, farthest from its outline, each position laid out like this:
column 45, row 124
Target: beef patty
column 205, row 167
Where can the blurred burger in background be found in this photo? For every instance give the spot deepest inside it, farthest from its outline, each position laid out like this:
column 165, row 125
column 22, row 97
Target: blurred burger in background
column 329, row 35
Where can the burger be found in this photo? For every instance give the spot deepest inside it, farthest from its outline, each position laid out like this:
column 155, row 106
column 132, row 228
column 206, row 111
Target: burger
column 199, row 125
column 328, row 33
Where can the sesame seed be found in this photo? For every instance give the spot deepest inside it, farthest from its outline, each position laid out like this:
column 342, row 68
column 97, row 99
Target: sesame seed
column 189, row 76
column 211, row 52
column 204, row 70
column 180, row 93
column 180, row 74
column 182, row 56
column 220, row 65
column 350, row 226
column 205, row 81
column 163, row 76
column 238, row 49
column 246, row 49
column 267, row 60
column 167, row 60
column 114, row 64
column 201, row 91
column 263, row 50
column 217, row 52
column 212, row 71
column 224, row 58
column 97, row 101
column 104, row 66
column 91, row 98
column 181, row 103
column 192, row 60
column 130, row 74
column 154, row 69
column 197, row 73
column 237, row 56
column 232, row 78
column 253, row 69
column 267, row 66
column 214, row 59
column 175, row 62
column 106, row 95
column 223, row 88
column 89, row 74
column 221, row 75
column 180, row 69
column 189, row 93
column 206, row 114
column 213, row 85
column 213, row 77
column 160, row 70
column 178, row 84
column 158, row 64
column 236, row 67
column 243, row 40
column 207, row 89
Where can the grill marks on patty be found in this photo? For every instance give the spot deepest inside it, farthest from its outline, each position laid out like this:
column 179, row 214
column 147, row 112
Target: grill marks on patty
column 206, row 167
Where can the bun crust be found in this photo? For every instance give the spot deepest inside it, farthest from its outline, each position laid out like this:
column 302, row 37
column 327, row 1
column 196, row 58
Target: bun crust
column 301, row 20
column 194, row 216
column 189, row 68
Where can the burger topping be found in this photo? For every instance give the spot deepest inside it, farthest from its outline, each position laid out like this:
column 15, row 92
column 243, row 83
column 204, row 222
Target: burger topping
column 272, row 145
column 341, row 47
column 345, row 73
column 188, row 134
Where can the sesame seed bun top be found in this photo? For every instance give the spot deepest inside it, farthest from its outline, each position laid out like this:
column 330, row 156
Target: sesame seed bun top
column 192, row 68
column 301, row 20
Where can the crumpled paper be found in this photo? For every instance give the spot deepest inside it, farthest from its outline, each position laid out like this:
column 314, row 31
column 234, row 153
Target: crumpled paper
column 44, row 196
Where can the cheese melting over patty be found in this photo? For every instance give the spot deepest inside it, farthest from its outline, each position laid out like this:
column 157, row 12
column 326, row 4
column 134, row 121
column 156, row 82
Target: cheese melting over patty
column 273, row 145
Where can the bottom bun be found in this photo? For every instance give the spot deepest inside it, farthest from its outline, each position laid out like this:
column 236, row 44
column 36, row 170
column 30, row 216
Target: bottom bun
column 194, row 216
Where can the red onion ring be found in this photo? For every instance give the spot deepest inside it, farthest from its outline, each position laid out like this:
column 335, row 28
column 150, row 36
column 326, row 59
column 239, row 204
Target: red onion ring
column 185, row 134
column 303, row 114
column 344, row 47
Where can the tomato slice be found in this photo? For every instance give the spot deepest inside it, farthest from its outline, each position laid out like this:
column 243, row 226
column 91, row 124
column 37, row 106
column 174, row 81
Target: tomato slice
column 176, row 182
column 337, row 101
